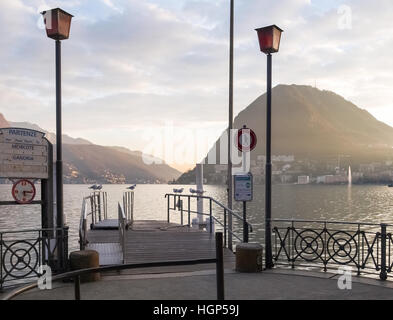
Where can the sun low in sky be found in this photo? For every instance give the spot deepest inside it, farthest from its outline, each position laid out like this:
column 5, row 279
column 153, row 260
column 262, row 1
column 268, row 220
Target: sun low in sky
column 132, row 67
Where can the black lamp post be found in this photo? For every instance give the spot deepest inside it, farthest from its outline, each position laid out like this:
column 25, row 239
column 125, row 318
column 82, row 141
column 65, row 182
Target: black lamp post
column 269, row 42
column 57, row 25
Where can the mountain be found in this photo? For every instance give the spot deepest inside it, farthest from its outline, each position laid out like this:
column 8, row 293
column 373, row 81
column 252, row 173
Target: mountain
column 3, row 122
column 49, row 135
column 99, row 164
column 309, row 122
column 85, row 162
column 314, row 124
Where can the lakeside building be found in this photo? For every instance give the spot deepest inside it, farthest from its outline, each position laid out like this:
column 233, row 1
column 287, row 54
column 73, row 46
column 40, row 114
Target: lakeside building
column 303, row 179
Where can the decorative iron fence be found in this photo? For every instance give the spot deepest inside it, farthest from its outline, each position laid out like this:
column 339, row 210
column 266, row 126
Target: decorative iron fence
column 366, row 247
column 23, row 252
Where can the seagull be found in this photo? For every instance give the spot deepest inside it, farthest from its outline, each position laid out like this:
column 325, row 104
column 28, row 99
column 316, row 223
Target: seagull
column 96, row 187
column 178, row 190
column 132, row 187
column 200, row 192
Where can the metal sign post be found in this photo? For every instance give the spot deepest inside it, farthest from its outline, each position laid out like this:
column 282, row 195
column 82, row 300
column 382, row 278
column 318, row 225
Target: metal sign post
column 244, row 192
column 246, row 142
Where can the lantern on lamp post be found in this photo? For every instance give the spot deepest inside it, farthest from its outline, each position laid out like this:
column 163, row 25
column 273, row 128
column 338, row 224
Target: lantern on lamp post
column 57, row 24
column 269, row 42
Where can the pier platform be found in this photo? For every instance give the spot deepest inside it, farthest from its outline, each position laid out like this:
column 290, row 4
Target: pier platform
column 154, row 241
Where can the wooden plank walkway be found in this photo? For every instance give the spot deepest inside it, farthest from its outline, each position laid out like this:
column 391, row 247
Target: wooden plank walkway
column 107, row 224
column 154, row 241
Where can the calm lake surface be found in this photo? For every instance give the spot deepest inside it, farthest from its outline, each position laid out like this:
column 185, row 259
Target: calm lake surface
column 358, row 203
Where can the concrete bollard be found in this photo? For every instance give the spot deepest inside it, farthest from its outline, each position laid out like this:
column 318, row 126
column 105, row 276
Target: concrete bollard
column 83, row 260
column 249, row 257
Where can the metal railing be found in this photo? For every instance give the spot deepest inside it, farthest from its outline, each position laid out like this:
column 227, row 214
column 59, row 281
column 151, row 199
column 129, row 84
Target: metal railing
column 86, row 202
column 366, row 247
column 22, row 253
column 75, row 275
column 99, row 206
column 176, row 202
column 122, row 231
column 128, row 205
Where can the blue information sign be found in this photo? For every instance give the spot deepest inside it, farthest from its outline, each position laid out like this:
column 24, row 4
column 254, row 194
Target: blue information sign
column 243, row 187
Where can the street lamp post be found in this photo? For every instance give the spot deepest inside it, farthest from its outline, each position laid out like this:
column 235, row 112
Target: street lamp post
column 269, row 42
column 57, row 25
column 230, row 121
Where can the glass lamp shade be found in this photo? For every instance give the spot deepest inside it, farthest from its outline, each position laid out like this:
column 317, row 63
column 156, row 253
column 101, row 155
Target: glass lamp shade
column 269, row 38
column 57, row 23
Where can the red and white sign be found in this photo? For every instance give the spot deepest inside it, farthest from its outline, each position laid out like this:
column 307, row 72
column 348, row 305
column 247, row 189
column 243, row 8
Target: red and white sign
column 23, row 191
column 246, row 139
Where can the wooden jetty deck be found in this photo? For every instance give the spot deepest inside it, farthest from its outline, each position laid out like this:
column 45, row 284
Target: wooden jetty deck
column 154, row 241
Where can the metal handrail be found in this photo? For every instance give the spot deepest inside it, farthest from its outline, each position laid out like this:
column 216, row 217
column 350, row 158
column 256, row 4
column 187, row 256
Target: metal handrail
column 219, row 261
column 122, row 230
column 216, row 202
column 178, row 203
column 83, row 223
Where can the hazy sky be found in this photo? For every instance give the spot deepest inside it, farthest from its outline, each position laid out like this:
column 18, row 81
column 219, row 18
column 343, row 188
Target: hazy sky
column 137, row 73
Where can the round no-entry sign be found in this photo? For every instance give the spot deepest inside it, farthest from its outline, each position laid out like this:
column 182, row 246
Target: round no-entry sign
column 246, row 139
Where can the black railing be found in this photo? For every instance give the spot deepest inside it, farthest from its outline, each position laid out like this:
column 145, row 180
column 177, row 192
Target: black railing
column 75, row 275
column 183, row 204
column 366, row 247
column 22, row 252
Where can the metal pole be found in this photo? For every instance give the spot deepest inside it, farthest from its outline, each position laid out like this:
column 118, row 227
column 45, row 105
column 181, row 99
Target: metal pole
column 211, row 216
column 245, row 226
column 230, row 123
column 383, row 273
column 189, row 213
column 168, row 208
column 268, row 170
column 220, row 267
column 199, row 187
column 77, row 287
column 59, row 155
column 181, row 208
column 225, row 228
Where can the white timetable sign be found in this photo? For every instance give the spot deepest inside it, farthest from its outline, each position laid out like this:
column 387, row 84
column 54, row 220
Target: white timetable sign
column 23, row 153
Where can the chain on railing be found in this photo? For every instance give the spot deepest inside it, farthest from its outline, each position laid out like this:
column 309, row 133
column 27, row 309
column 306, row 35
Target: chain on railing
column 22, row 252
column 183, row 204
column 367, row 247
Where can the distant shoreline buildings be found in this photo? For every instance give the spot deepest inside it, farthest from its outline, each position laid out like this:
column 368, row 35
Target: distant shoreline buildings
column 287, row 169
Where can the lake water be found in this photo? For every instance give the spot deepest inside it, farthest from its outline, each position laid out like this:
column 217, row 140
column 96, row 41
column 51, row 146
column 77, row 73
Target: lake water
column 362, row 203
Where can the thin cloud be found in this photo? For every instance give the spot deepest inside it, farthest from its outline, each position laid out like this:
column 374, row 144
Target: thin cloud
column 131, row 62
